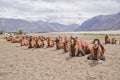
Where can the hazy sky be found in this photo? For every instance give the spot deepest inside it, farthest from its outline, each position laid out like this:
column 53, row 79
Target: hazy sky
column 62, row 11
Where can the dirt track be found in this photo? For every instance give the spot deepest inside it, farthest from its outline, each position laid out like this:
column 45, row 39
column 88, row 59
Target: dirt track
column 20, row 63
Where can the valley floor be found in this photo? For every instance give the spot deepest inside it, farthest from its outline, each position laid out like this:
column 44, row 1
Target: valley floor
column 21, row 63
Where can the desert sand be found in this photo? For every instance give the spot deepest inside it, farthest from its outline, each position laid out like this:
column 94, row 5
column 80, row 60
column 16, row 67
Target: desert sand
column 21, row 63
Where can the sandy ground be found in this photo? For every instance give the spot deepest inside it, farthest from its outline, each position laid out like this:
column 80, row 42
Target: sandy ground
column 20, row 63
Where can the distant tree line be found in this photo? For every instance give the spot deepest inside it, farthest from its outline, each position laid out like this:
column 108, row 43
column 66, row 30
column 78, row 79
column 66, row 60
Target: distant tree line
column 19, row 32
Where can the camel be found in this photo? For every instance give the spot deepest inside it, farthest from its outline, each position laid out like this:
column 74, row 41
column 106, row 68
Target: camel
column 59, row 43
column 107, row 39
column 50, row 42
column 97, row 50
column 40, row 42
column 32, row 42
column 76, row 48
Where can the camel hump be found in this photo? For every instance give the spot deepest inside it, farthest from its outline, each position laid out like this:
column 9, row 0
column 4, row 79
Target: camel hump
column 84, row 43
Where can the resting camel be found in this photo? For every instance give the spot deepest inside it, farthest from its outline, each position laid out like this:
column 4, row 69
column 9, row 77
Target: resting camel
column 67, row 45
column 32, row 42
column 40, row 42
column 76, row 48
column 107, row 40
column 59, row 43
column 50, row 42
column 24, row 41
column 16, row 39
column 113, row 41
column 97, row 50
column 9, row 38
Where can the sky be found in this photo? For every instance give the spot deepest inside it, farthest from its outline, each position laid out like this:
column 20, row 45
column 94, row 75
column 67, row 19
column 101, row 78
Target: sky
column 60, row 11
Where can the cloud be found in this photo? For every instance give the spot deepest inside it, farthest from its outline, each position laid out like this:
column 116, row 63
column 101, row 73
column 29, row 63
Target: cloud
column 62, row 11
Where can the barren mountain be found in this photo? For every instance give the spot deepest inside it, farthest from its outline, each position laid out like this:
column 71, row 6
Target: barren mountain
column 101, row 23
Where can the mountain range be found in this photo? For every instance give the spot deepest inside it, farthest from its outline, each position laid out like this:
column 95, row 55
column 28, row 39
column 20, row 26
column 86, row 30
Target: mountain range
column 13, row 25
column 101, row 23
column 97, row 23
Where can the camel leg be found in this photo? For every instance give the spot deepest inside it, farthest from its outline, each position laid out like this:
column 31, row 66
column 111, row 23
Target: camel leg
column 76, row 52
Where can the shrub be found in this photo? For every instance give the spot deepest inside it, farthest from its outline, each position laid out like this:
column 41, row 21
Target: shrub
column 20, row 32
column 1, row 32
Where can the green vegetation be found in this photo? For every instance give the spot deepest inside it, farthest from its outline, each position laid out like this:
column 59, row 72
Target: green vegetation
column 20, row 32
column 1, row 32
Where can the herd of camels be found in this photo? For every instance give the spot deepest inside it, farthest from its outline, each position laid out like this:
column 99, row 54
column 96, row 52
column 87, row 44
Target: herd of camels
column 72, row 45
